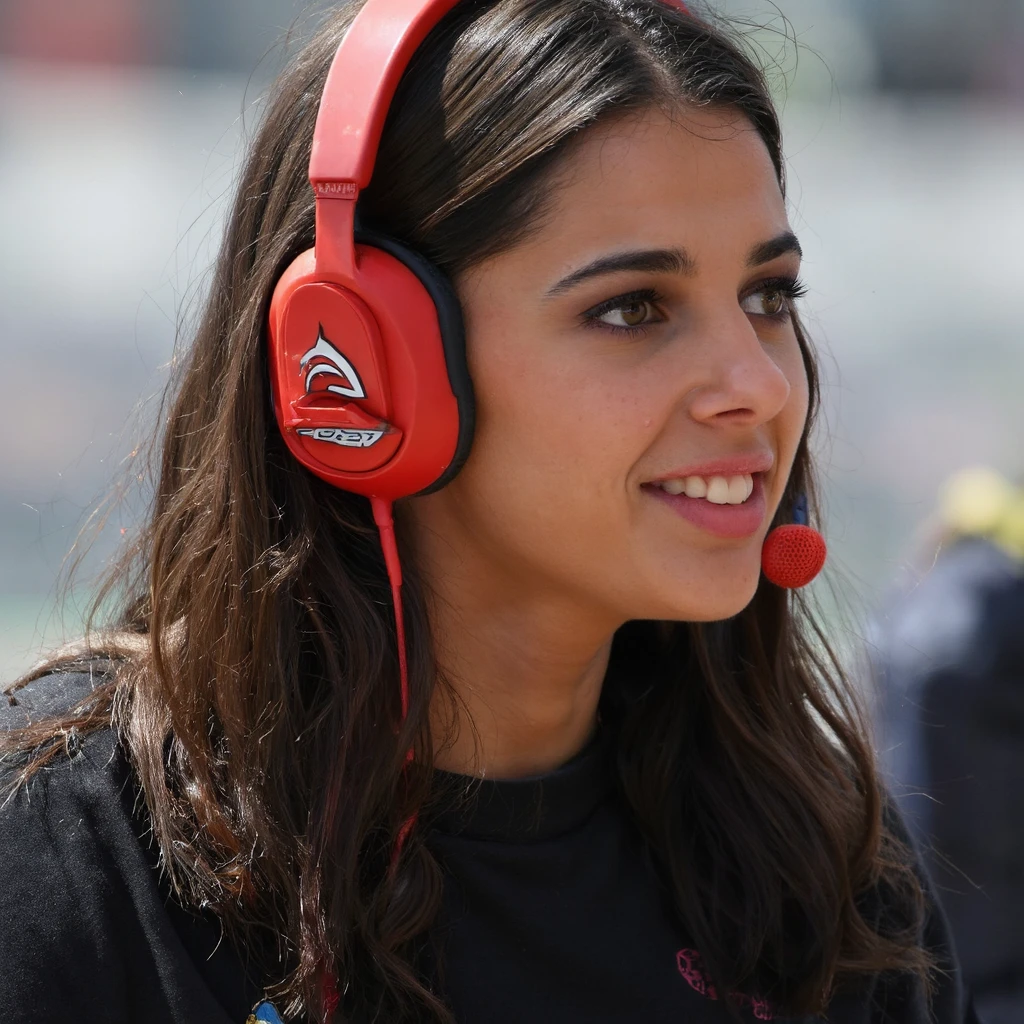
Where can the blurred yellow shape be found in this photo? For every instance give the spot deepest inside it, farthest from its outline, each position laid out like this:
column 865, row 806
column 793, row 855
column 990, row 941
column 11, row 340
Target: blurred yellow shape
column 981, row 502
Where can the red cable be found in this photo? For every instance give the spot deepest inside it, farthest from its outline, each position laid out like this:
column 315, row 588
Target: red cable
column 386, row 525
column 382, row 516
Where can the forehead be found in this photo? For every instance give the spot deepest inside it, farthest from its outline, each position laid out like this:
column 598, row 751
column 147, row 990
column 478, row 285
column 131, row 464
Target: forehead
column 693, row 177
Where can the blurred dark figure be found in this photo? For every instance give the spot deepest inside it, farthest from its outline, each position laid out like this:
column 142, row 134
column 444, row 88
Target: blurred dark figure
column 948, row 658
column 947, row 45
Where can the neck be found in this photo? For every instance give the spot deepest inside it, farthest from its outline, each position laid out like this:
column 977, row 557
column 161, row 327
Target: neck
column 517, row 699
column 520, row 668
column 521, row 654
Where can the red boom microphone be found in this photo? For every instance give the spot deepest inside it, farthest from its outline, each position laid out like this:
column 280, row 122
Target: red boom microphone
column 793, row 554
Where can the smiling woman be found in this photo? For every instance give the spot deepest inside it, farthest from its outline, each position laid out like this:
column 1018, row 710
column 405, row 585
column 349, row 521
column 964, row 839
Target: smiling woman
column 586, row 762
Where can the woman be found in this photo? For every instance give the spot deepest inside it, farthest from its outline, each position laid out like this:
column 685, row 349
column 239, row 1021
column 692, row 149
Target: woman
column 619, row 778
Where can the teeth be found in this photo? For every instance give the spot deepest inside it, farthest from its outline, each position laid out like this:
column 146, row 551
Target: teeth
column 719, row 490
column 737, row 490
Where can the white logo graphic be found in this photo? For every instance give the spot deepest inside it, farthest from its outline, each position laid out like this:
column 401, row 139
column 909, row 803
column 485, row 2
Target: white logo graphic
column 346, row 438
column 325, row 358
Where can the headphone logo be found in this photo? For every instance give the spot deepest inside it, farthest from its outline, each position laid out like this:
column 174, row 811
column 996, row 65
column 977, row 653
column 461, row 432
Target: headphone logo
column 324, row 358
column 346, row 438
column 324, row 365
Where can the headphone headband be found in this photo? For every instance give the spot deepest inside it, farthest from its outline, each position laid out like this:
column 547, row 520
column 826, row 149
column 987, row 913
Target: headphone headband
column 360, row 86
column 361, row 83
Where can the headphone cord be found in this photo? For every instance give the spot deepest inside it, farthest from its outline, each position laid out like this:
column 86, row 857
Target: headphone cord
column 382, row 516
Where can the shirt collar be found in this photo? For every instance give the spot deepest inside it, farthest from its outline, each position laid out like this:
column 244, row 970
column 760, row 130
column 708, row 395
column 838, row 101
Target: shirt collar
column 525, row 810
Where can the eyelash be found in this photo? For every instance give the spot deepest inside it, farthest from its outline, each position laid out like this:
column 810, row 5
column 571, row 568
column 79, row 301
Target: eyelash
column 790, row 287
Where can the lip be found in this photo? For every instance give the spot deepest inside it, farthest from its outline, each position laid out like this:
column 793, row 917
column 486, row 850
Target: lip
column 730, row 521
column 730, row 465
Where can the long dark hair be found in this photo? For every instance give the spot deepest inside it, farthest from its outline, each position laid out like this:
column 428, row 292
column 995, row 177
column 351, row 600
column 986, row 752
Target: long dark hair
column 252, row 672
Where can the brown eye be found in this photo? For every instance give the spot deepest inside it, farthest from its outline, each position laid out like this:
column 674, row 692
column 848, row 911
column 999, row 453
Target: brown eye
column 767, row 301
column 773, row 298
column 633, row 313
column 773, row 301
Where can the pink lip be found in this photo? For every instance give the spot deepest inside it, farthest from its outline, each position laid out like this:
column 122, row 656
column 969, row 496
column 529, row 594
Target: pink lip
column 732, row 521
column 733, row 465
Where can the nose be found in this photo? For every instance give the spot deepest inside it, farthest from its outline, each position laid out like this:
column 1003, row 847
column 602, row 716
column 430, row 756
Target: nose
column 738, row 380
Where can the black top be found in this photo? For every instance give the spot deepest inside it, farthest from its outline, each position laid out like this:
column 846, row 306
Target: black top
column 551, row 911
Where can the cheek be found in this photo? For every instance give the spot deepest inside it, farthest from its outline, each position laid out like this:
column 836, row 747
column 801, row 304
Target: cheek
column 800, row 394
column 557, row 432
column 564, row 404
column 792, row 420
column 799, row 399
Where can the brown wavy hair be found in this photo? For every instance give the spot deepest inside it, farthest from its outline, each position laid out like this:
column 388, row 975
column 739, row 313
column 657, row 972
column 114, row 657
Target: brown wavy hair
column 252, row 671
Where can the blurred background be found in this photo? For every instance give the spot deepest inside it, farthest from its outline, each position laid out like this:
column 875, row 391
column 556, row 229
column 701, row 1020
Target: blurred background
column 121, row 123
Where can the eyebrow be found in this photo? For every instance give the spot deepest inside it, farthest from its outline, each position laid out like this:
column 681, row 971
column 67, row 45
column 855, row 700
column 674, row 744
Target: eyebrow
column 669, row 261
column 765, row 252
column 653, row 261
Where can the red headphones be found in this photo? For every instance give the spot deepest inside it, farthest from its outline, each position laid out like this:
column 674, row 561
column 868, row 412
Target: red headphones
column 367, row 353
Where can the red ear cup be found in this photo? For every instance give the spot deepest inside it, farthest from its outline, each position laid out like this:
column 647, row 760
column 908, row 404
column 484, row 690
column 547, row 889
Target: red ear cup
column 360, row 375
column 793, row 555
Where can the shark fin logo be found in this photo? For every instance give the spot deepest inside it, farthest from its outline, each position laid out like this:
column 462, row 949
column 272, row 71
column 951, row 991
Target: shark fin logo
column 324, row 359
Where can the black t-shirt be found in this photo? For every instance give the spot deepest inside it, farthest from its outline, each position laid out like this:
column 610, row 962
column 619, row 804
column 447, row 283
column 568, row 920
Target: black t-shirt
column 551, row 910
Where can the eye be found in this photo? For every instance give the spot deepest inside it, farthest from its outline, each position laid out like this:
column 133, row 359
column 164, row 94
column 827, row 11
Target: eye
column 772, row 298
column 631, row 313
column 765, row 302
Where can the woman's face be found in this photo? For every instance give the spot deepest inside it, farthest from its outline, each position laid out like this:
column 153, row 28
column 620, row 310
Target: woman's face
column 640, row 389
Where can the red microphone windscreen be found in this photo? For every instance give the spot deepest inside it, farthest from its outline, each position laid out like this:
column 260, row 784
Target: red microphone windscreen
column 793, row 555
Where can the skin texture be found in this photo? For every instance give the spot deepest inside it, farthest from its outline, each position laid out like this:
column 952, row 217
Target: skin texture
column 549, row 540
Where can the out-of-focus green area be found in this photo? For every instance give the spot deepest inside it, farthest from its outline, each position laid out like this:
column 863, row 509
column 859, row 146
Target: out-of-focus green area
column 120, row 130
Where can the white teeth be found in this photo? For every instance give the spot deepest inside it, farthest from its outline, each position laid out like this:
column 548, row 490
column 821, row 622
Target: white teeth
column 718, row 490
column 737, row 490
column 696, row 487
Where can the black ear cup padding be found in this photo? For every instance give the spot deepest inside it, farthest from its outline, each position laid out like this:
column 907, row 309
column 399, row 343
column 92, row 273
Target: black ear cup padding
column 453, row 338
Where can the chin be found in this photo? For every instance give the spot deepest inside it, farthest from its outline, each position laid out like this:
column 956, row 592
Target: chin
column 724, row 611
column 720, row 597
